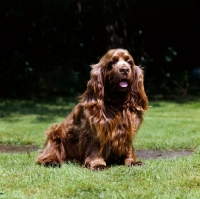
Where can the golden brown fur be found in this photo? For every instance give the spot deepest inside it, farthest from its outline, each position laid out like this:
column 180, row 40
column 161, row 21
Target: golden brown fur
column 101, row 128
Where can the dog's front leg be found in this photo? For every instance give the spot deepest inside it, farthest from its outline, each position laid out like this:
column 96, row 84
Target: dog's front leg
column 93, row 160
column 130, row 158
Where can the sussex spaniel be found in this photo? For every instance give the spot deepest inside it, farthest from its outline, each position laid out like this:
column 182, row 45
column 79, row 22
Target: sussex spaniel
column 101, row 128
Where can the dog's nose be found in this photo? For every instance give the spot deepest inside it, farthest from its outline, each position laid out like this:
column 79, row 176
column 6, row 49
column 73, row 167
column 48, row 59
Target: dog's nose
column 124, row 70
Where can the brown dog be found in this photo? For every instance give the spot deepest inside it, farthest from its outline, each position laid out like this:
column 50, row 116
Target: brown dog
column 101, row 128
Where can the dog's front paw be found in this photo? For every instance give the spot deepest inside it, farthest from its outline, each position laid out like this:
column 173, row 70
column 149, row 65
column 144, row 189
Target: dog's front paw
column 139, row 163
column 96, row 164
column 99, row 168
column 131, row 162
column 52, row 164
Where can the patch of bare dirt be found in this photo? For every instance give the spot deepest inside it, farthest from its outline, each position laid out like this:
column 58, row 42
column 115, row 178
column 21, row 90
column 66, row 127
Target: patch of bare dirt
column 17, row 149
column 154, row 154
column 143, row 154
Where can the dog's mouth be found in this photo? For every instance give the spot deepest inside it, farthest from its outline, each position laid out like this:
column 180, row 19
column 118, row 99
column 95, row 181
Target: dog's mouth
column 123, row 84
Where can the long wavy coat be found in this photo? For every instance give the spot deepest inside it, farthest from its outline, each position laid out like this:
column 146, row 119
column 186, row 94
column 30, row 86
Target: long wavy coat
column 101, row 128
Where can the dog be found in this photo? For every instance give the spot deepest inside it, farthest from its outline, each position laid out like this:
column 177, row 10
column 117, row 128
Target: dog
column 101, row 128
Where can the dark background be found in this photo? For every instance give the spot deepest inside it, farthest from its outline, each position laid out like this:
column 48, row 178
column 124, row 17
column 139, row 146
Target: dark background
column 47, row 46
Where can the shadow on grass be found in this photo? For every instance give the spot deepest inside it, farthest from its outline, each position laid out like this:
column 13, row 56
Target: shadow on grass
column 193, row 103
column 141, row 154
column 48, row 110
column 43, row 111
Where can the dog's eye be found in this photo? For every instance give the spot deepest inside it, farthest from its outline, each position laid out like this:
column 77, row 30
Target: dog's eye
column 115, row 59
column 111, row 64
column 129, row 61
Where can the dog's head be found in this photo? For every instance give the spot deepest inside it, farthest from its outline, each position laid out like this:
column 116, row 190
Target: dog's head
column 116, row 72
column 119, row 69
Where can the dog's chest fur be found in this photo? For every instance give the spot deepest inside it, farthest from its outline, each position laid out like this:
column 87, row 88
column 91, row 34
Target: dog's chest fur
column 118, row 130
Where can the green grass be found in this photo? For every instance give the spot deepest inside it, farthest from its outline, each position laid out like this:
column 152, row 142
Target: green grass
column 167, row 125
column 175, row 178
column 170, row 125
column 24, row 122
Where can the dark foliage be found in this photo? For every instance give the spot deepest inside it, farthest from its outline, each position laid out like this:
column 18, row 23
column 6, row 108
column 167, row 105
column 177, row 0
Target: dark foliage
column 47, row 46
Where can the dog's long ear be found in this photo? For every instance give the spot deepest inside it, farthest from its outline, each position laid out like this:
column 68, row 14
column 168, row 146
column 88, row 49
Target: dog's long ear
column 95, row 86
column 138, row 95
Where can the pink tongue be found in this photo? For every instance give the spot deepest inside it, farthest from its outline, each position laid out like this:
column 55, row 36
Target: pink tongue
column 123, row 84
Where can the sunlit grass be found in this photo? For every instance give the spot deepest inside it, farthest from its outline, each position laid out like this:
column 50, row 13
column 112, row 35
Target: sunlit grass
column 170, row 125
column 167, row 125
column 24, row 122
column 168, row 178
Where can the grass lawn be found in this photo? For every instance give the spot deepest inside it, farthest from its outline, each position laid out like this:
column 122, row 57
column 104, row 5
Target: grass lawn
column 167, row 125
